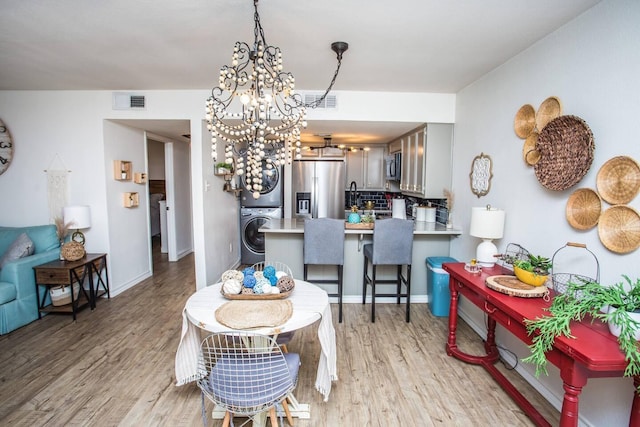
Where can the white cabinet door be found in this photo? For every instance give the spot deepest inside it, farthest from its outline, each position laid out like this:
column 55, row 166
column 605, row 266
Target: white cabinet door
column 374, row 170
column 426, row 161
column 355, row 169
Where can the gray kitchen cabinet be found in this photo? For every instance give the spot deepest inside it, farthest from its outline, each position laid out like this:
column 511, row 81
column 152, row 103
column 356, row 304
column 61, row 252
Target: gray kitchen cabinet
column 426, row 160
column 366, row 168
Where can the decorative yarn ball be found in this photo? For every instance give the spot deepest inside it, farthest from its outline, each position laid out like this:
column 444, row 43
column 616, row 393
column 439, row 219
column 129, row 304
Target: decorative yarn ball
column 273, row 280
column 232, row 287
column 249, row 281
column 268, row 289
column 258, row 275
column 249, row 271
column 275, row 290
column 257, row 288
column 232, row 274
column 280, row 274
column 247, row 291
column 285, row 284
column 269, row 271
column 263, row 281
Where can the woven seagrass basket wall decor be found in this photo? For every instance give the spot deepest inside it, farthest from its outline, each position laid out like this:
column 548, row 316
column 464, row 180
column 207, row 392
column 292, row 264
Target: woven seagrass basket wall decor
column 528, row 124
column 566, row 152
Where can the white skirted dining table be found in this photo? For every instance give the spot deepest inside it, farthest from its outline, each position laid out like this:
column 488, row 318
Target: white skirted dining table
column 308, row 303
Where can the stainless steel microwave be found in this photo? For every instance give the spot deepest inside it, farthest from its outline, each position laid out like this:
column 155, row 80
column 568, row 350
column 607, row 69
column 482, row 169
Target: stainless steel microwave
column 393, row 167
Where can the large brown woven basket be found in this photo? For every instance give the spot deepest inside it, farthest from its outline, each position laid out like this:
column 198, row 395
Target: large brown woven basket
column 525, row 121
column 566, row 152
column 583, row 209
column 618, row 180
column 619, row 229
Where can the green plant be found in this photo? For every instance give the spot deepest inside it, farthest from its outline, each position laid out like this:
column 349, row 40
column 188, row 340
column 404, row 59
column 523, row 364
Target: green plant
column 535, row 264
column 223, row 165
column 584, row 299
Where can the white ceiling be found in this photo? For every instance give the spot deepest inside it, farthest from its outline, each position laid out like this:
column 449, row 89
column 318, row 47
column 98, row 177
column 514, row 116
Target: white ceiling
column 403, row 46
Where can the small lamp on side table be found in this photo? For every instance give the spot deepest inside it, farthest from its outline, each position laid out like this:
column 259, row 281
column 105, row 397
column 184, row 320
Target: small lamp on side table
column 488, row 224
column 79, row 217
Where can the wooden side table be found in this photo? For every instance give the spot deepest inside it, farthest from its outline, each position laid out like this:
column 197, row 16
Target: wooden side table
column 56, row 273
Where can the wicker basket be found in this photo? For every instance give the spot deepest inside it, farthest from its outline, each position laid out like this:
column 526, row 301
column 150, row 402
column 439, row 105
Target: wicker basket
column 72, row 251
column 561, row 280
column 550, row 109
column 260, row 266
column 61, row 295
column 566, row 152
column 530, row 154
column 525, row 121
column 583, row 209
column 618, row 180
column 513, row 252
column 619, row 229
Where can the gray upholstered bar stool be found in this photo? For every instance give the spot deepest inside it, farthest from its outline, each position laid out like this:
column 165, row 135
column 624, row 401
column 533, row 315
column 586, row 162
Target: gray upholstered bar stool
column 324, row 245
column 392, row 245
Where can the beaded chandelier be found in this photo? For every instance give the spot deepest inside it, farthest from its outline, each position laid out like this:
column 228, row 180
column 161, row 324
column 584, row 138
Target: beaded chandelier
column 255, row 110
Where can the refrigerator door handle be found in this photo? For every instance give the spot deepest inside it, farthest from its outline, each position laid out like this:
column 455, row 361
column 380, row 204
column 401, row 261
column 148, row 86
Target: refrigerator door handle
column 314, row 198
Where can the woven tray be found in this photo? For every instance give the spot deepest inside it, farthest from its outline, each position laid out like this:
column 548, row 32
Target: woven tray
column 359, row 226
column 566, row 152
column 511, row 286
column 530, row 155
column 548, row 110
column 618, row 180
column 619, row 229
column 525, row 121
column 583, row 209
column 257, row 297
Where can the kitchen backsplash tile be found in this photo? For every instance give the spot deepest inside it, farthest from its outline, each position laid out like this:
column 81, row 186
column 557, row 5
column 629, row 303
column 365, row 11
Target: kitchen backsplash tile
column 380, row 199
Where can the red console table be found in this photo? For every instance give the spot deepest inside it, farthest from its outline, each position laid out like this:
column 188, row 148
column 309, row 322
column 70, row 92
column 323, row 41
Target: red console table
column 593, row 353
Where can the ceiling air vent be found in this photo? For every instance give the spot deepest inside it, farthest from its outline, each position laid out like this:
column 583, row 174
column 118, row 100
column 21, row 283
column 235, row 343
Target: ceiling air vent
column 329, row 102
column 128, row 101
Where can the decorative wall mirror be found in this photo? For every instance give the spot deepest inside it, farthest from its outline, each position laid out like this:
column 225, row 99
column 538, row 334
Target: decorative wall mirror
column 481, row 174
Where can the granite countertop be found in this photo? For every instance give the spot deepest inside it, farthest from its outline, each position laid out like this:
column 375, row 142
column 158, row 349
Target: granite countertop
column 296, row 226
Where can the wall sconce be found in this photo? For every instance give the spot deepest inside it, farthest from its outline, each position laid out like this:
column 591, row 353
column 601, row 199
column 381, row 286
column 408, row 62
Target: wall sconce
column 79, row 217
column 487, row 224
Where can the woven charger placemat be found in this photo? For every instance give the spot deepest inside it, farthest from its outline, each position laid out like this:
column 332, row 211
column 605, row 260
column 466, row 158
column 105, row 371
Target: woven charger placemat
column 566, row 152
column 619, row 229
column 583, row 209
column 243, row 314
column 525, row 121
column 618, row 180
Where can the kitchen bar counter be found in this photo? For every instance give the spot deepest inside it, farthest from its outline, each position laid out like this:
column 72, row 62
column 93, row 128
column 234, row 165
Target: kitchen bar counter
column 284, row 241
column 291, row 225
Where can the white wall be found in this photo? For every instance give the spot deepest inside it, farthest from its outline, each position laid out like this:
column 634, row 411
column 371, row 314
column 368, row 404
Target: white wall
column 128, row 241
column 592, row 64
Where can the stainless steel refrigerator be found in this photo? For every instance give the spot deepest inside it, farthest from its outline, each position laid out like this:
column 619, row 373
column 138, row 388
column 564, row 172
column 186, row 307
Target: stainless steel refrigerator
column 318, row 188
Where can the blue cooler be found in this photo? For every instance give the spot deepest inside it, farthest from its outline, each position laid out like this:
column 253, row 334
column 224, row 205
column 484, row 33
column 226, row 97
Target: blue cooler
column 438, row 285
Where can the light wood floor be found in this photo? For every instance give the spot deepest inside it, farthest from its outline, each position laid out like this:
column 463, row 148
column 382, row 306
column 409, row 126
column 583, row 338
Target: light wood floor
column 115, row 367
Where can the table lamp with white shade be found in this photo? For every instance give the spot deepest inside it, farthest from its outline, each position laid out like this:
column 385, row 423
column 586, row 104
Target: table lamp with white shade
column 78, row 217
column 487, row 223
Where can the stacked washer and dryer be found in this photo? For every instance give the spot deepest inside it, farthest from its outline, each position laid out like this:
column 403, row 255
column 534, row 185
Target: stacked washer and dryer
column 254, row 213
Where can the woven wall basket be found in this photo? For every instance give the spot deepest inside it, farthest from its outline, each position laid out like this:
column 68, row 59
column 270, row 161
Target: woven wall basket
column 525, row 121
column 618, row 180
column 566, row 152
column 583, row 209
column 549, row 110
column 619, row 229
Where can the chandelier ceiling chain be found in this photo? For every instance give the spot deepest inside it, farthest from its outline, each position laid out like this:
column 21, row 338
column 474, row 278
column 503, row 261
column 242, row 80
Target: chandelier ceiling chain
column 255, row 111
